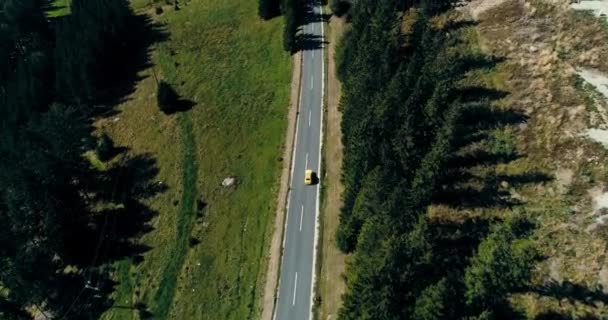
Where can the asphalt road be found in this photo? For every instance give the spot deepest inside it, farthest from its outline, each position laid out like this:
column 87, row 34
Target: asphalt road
column 297, row 267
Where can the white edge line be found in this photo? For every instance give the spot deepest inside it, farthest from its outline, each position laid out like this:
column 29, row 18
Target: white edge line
column 316, row 229
column 293, row 163
column 295, row 288
column 306, row 165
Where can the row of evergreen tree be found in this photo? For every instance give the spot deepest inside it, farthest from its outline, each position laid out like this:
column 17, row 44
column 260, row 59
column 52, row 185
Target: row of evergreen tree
column 52, row 71
column 401, row 112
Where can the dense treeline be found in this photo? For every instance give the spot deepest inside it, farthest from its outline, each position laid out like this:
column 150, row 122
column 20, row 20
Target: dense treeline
column 82, row 58
column 402, row 110
column 54, row 204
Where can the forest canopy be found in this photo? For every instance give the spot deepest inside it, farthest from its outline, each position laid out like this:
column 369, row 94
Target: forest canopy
column 56, row 206
column 406, row 106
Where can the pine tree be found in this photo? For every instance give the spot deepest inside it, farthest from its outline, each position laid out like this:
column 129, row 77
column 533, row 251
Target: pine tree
column 387, row 267
column 431, row 303
column 501, row 264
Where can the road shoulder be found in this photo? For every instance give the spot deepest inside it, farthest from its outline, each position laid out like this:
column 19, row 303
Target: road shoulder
column 330, row 284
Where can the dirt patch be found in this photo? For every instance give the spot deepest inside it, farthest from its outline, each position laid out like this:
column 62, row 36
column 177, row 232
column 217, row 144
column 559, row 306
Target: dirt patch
column 274, row 255
column 563, row 178
column 331, row 284
column 555, row 270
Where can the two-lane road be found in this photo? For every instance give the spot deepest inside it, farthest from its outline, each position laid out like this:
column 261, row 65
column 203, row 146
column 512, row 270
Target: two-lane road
column 298, row 263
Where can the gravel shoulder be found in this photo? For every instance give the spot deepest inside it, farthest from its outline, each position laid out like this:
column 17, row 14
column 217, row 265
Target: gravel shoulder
column 331, row 283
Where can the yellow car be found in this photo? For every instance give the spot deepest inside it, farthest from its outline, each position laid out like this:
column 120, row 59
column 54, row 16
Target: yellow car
column 309, row 176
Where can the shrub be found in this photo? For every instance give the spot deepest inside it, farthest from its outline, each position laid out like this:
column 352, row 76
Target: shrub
column 167, row 98
column 502, row 142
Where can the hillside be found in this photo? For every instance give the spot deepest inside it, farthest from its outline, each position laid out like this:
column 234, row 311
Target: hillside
column 551, row 53
column 474, row 161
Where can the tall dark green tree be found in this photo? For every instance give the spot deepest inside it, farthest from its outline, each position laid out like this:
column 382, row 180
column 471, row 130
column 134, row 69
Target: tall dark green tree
column 502, row 263
column 380, row 285
column 431, row 305
column 369, row 58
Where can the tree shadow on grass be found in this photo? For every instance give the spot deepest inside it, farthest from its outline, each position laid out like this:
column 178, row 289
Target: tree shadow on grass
column 121, row 217
column 461, row 187
column 489, row 191
column 573, row 292
column 476, row 62
column 181, row 105
column 478, row 119
column 459, row 24
column 475, row 93
column 169, row 100
column 553, row 315
column 114, row 230
column 118, row 82
column 469, row 181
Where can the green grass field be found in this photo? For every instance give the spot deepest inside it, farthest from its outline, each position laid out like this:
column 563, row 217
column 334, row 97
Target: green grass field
column 59, row 8
column 227, row 61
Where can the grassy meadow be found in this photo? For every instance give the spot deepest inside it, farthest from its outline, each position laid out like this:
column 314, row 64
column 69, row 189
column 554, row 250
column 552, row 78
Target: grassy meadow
column 206, row 254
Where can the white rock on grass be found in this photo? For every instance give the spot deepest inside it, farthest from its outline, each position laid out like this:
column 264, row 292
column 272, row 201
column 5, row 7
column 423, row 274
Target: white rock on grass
column 228, row 182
